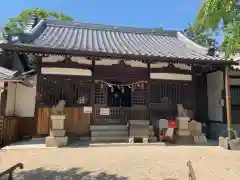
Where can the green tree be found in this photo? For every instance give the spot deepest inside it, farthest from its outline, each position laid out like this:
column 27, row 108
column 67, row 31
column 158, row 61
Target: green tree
column 223, row 15
column 201, row 36
column 17, row 24
column 158, row 29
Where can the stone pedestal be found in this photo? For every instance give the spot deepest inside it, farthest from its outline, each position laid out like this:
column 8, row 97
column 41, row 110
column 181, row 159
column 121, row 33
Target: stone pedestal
column 57, row 136
column 56, row 141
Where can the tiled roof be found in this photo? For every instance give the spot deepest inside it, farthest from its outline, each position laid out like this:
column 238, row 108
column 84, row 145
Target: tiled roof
column 6, row 74
column 27, row 78
column 122, row 41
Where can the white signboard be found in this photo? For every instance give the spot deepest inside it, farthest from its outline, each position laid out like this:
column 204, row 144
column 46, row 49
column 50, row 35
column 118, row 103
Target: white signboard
column 87, row 109
column 104, row 111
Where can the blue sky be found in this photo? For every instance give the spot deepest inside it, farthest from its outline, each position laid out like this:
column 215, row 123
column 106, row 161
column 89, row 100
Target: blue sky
column 170, row 14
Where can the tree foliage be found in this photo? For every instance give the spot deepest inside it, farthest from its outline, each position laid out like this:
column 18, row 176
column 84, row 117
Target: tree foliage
column 17, row 24
column 223, row 15
column 201, row 36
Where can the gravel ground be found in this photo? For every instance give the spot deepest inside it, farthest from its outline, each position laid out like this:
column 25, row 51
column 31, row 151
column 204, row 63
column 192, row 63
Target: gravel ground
column 127, row 163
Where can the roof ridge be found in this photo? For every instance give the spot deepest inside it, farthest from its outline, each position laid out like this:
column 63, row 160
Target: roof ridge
column 104, row 27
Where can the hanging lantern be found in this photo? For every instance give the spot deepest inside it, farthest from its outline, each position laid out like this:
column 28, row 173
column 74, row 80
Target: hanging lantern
column 97, row 81
column 122, row 89
column 101, row 85
column 138, row 85
column 132, row 86
column 112, row 89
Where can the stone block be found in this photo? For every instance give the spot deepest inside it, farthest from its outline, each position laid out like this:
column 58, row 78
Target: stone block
column 57, row 116
column 57, row 132
column 131, row 140
column 139, row 122
column 185, row 140
column 200, row 139
column 163, row 123
column 183, row 132
column 145, row 140
column 58, row 123
column 183, row 122
column 56, row 141
column 195, row 126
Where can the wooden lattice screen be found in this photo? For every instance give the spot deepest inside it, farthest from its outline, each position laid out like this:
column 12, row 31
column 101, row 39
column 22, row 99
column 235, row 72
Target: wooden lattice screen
column 173, row 92
column 74, row 91
column 139, row 94
column 235, row 95
column 165, row 95
column 100, row 93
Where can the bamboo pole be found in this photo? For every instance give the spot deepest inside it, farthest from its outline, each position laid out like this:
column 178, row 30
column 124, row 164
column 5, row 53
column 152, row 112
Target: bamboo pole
column 228, row 102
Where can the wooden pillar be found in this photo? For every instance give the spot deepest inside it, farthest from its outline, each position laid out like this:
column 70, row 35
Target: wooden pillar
column 194, row 89
column 228, row 102
column 38, row 85
column 149, row 91
column 92, row 92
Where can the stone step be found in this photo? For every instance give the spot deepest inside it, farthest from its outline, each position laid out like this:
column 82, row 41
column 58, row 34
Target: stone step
column 108, row 127
column 153, row 139
column 151, row 134
column 110, row 139
column 109, row 133
column 150, row 128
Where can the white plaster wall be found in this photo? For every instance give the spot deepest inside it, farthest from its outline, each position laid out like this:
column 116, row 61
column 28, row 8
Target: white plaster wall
column 234, row 81
column 66, row 71
column 11, row 92
column 25, row 101
column 20, row 100
column 171, row 76
column 215, row 86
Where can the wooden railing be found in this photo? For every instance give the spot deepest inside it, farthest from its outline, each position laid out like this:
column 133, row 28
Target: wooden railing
column 10, row 171
column 121, row 115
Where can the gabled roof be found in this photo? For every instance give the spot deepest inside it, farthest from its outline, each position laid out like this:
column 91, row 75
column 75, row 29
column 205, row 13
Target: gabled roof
column 7, row 75
column 107, row 40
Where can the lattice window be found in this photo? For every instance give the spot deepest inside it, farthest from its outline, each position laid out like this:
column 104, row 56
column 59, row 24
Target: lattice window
column 139, row 94
column 171, row 92
column 100, row 94
column 72, row 90
column 235, row 95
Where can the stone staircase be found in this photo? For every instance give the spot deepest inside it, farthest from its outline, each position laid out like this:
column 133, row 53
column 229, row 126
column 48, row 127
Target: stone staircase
column 152, row 138
column 109, row 133
column 114, row 133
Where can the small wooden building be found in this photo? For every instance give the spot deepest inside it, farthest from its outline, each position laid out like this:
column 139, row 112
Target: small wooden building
column 122, row 73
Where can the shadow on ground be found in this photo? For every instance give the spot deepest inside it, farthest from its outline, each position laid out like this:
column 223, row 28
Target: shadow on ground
column 70, row 174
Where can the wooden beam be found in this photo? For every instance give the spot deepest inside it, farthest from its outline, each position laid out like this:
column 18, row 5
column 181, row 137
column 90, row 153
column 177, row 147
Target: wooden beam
column 67, row 65
column 170, row 70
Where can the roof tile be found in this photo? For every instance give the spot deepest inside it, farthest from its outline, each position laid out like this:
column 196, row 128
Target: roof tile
column 113, row 39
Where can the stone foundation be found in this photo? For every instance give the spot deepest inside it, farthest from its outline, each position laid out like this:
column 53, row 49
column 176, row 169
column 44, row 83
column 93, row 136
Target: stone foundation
column 56, row 141
column 57, row 136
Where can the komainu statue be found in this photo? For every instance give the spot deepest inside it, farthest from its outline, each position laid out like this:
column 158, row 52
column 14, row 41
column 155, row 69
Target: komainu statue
column 181, row 111
column 59, row 108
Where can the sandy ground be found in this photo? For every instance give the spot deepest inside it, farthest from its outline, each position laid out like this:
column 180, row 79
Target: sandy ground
column 128, row 163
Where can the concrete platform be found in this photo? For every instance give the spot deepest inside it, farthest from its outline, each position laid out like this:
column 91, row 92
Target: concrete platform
column 36, row 143
column 125, row 144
